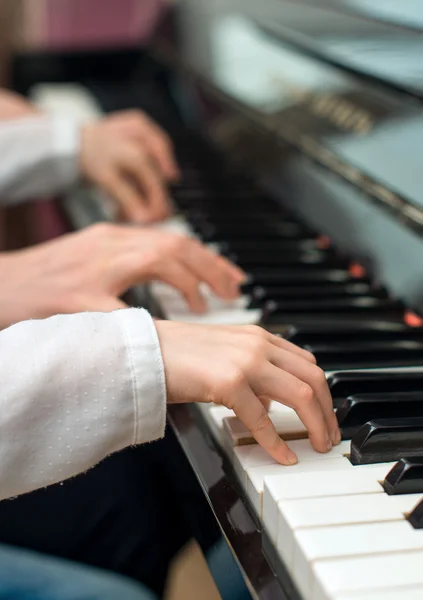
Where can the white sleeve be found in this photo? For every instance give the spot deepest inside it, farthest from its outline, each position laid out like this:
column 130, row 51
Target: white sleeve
column 39, row 157
column 74, row 389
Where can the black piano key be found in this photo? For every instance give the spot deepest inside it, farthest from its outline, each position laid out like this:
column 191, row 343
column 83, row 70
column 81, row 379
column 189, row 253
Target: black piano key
column 316, row 259
column 416, row 516
column 381, row 331
column 358, row 409
column 277, row 276
column 264, row 294
column 392, row 353
column 344, row 384
column 362, row 305
column 406, row 477
column 386, row 440
column 278, row 245
column 211, row 233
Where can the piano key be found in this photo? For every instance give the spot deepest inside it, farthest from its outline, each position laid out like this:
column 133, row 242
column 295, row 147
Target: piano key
column 215, row 416
column 267, row 276
column 406, row 477
column 366, row 573
column 389, row 353
column 359, row 540
column 249, row 260
column 315, row 334
column 305, row 513
column 347, row 383
column 251, row 456
column 213, row 232
column 219, row 311
column 286, row 421
column 279, row 245
column 358, row 409
column 416, row 516
column 361, row 305
column 387, row 440
column 356, row 480
column 264, row 294
column 256, row 475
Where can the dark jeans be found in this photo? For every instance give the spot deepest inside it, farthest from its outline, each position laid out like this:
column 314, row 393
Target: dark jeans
column 27, row 575
column 130, row 514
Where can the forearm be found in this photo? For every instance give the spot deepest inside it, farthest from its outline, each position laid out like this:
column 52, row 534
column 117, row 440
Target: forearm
column 75, row 389
column 39, row 157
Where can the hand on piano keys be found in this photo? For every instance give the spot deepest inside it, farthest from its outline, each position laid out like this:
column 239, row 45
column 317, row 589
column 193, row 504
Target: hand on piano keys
column 331, row 517
column 240, row 368
column 100, row 263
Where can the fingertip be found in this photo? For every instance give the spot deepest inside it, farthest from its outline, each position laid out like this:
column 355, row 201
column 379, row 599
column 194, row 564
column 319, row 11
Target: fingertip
column 291, row 457
column 310, row 357
column 336, row 437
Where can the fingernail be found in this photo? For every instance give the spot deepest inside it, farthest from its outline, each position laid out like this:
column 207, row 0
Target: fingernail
column 291, row 457
column 329, row 444
column 336, row 437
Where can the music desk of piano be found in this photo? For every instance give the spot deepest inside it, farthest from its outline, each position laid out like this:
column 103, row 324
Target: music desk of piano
column 299, row 127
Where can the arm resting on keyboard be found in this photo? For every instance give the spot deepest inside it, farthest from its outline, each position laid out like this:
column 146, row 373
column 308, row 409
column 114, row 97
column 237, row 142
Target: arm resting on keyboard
column 74, row 389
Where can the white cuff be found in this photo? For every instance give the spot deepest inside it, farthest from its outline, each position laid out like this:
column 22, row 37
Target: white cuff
column 148, row 375
column 66, row 133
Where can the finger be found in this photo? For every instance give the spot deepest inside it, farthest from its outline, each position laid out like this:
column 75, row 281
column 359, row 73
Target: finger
column 161, row 151
column 280, row 385
column 131, row 203
column 176, row 275
column 223, row 277
column 267, row 402
column 280, row 342
column 253, row 414
column 149, row 181
column 154, row 139
column 315, row 378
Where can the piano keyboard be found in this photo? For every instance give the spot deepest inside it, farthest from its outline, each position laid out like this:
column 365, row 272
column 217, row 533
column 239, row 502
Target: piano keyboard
column 334, row 525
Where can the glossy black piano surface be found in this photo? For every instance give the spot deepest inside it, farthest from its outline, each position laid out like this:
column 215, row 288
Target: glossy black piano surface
column 317, row 108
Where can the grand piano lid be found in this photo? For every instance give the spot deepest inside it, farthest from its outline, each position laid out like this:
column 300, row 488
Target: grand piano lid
column 367, row 130
column 372, row 39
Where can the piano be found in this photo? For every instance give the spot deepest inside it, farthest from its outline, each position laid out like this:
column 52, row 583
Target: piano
column 298, row 125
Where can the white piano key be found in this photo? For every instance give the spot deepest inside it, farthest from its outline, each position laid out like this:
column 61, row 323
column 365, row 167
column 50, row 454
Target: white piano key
column 356, row 480
column 219, row 312
column 286, row 421
column 215, row 416
column 363, row 574
column 256, row 476
column 176, row 224
column 368, row 539
column 251, row 456
column 399, row 593
column 303, row 513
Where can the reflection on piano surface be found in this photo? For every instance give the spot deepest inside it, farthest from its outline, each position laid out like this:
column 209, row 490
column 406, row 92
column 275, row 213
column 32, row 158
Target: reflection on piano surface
column 301, row 158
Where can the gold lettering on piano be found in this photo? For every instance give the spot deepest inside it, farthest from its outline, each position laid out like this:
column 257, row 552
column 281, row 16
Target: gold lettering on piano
column 339, row 111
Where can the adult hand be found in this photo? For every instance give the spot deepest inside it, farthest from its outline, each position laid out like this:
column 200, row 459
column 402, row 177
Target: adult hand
column 123, row 167
column 92, row 269
column 240, row 368
column 14, row 106
column 136, row 125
